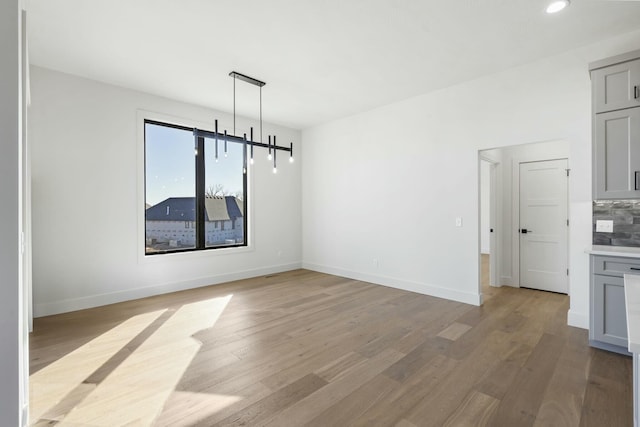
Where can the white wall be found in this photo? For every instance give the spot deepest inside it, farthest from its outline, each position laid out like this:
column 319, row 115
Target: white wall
column 88, row 204
column 11, row 386
column 357, row 180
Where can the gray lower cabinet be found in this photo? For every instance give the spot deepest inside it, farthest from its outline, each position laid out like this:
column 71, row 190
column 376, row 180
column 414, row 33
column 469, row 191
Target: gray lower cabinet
column 608, row 328
column 616, row 173
column 616, row 86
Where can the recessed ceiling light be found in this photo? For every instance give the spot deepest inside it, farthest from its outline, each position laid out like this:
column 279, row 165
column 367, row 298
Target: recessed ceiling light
column 557, row 6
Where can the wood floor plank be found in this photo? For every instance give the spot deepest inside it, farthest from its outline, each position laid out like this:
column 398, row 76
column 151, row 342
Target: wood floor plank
column 274, row 402
column 411, row 363
column 471, row 370
column 304, row 347
column 310, row 407
column 498, row 379
column 563, row 398
column 476, row 411
column 355, row 404
column 454, row 331
column 523, row 398
column 205, row 409
column 608, row 396
column 406, row 396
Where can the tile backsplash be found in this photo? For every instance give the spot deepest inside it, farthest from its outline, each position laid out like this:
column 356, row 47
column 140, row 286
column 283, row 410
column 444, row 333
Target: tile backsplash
column 625, row 215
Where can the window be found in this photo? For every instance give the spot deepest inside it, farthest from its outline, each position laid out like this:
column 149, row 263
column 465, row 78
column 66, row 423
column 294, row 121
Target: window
column 185, row 184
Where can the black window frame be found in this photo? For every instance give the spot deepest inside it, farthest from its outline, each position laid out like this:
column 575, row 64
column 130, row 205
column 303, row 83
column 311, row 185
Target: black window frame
column 200, row 197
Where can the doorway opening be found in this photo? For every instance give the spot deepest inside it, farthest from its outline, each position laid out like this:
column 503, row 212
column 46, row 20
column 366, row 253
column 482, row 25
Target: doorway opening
column 504, row 250
column 488, row 230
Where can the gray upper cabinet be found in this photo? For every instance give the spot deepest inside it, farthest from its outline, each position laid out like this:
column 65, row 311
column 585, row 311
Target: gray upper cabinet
column 616, row 86
column 616, row 173
column 616, row 127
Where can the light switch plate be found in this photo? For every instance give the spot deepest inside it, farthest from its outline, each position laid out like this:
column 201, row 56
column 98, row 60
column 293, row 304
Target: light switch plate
column 459, row 222
column 604, row 226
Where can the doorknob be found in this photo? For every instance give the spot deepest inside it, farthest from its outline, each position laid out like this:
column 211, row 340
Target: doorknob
column 525, row 231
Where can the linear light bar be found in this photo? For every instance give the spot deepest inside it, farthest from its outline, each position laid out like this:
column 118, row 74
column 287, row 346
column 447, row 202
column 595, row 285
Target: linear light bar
column 246, row 78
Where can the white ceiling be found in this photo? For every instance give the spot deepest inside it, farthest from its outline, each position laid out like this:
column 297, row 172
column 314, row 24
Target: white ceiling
column 321, row 59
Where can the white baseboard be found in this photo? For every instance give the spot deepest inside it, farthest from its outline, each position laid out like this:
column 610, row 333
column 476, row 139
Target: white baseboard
column 24, row 416
column 74, row 304
column 507, row 281
column 421, row 288
column 579, row 320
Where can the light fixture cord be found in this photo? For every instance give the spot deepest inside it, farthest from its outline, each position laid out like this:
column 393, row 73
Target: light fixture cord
column 260, row 113
column 234, row 105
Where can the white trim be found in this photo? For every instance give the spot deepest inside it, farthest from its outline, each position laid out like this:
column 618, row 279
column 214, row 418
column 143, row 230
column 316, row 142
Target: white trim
column 74, row 304
column 506, row 281
column 141, row 116
column 405, row 285
column 578, row 320
column 26, row 314
column 495, row 221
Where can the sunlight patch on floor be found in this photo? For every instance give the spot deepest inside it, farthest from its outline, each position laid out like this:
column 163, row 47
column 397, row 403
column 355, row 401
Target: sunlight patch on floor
column 193, row 408
column 51, row 384
column 135, row 392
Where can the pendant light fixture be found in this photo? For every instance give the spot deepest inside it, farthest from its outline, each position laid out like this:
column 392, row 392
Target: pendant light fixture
column 272, row 147
column 227, row 137
column 557, row 5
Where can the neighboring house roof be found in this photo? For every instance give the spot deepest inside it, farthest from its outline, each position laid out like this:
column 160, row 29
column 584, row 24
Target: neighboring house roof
column 184, row 209
column 173, row 209
column 234, row 207
column 216, row 208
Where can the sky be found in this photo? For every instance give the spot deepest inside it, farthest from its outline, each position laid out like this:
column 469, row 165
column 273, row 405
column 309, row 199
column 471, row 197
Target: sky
column 170, row 164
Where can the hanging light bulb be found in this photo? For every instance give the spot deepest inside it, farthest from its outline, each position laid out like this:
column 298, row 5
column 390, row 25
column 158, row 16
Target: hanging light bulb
column 244, row 154
column 275, row 169
column 291, row 153
column 225, row 143
column 269, row 156
column 216, row 141
column 557, row 6
column 251, row 142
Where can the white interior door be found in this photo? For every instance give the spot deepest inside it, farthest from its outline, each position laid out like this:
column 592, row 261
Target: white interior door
column 544, row 225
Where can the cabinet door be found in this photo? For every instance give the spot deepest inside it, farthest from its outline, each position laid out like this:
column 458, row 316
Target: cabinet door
column 615, row 266
column 616, row 87
column 609, row 314
column 616, row 170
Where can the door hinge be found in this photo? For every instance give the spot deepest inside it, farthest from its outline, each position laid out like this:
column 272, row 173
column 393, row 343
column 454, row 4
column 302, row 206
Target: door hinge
column 567, row 223
column 567, row 171
column 567, row 271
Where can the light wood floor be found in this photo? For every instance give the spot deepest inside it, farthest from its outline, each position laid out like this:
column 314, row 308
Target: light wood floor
column 304, row 348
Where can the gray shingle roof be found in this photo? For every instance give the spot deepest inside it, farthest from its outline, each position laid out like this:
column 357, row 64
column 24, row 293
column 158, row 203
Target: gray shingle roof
column 184, row 209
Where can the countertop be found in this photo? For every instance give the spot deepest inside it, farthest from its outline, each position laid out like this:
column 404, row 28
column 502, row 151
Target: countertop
column 623, row 251
column 632, row 302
